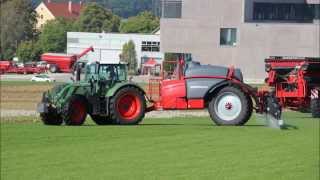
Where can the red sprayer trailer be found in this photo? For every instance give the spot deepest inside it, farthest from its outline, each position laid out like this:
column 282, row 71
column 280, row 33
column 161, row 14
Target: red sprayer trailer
column 221, row 90
column 62, row 62
column 296, row 82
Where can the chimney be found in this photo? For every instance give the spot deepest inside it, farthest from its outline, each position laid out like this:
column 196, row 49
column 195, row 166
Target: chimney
column 70, row 7
column 80, row 2
column 49, row 1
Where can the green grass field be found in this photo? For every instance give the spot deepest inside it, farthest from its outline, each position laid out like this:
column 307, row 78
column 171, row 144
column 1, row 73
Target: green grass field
column 180, row 148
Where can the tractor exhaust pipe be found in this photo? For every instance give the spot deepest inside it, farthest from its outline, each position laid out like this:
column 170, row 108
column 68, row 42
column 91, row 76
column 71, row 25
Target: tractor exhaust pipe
column 78, row 73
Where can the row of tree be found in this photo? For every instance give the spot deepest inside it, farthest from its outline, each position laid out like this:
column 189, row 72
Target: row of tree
column 19, row 37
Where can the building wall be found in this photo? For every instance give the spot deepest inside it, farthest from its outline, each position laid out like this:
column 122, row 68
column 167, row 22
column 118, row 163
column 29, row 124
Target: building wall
column 108, row 46
column 198, row 33
column 43, row 15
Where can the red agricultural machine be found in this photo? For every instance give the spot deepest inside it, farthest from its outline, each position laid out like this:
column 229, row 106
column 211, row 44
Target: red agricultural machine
column 63, row 62
column 296, row 82
column 11, row 67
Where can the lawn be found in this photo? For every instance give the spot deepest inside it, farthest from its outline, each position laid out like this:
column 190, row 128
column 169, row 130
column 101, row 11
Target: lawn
column 180, row 148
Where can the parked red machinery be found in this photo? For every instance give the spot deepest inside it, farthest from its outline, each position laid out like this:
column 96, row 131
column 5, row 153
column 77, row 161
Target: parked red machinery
column 4, row 66
column 11, row 67
column 296, row 82
column 63, row 62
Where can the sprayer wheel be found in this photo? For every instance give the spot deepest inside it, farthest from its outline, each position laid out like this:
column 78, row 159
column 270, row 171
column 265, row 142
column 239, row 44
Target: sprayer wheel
column 315, row 108
column 230, row 107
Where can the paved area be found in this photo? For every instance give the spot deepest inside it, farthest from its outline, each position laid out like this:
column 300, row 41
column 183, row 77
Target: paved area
column 59, row 77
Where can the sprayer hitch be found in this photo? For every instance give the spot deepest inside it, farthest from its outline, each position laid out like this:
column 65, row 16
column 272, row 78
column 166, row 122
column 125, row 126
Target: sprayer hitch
column 271, row 111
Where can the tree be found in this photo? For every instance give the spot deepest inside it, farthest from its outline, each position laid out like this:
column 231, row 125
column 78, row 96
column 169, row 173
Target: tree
column 53, row 37
column 128, row 8
column 95, row 18
column 129, row 56
column 28, row 51
column 122, row 8
column 18, row 21
column 145, row 22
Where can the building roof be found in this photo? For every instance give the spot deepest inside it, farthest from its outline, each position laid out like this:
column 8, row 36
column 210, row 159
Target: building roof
column 61, row 9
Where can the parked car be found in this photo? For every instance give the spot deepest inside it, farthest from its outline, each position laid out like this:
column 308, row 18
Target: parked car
column 42, row 78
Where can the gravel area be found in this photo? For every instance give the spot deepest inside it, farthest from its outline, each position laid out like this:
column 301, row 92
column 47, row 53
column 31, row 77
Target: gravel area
column 154, row 114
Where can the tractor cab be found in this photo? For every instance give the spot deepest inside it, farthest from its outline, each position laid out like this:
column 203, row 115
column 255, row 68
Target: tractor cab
column 105, row 72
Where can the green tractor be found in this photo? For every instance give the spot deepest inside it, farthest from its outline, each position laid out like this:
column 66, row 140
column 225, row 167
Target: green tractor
column 103, row 92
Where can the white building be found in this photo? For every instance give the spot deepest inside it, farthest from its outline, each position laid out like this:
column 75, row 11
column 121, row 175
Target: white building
column 108, row 46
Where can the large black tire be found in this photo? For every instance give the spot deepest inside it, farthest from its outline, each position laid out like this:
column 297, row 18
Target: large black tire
column 53, row 68
column 230, row 107
column 315, row 108
column 128, row 106
column 101, row 120
column 51, row 118
column 76, row 114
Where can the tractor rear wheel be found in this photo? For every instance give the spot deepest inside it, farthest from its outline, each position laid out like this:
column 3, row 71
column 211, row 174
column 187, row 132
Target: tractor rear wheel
column 101, row 120
column 230, row 107
column 128, row 106
column 76, row 113
column 315, row 108
column 51, row 118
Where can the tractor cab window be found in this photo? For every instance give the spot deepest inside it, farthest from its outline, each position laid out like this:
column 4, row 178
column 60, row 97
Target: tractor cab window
column 122, row 72
column 109, row 72
column 91, row 70
column 113, row 72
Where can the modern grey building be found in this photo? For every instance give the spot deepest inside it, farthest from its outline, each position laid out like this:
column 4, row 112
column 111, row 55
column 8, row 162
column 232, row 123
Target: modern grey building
column 241, row 32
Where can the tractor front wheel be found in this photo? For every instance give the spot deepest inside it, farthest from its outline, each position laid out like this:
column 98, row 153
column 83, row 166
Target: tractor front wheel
column 230, row 107
column 51, row 118
column 128, row 106
column 76, row 113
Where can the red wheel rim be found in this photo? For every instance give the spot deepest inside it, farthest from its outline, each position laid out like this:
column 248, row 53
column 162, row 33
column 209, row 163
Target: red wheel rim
column 78, row 111
column 129, row 106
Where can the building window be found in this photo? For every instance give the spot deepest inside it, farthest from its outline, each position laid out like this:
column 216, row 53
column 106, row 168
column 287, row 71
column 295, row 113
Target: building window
column 41, row 16
column 284, row 12
column 316, row 11
column 171, row 8
column 228, row 36
column 150, row 46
